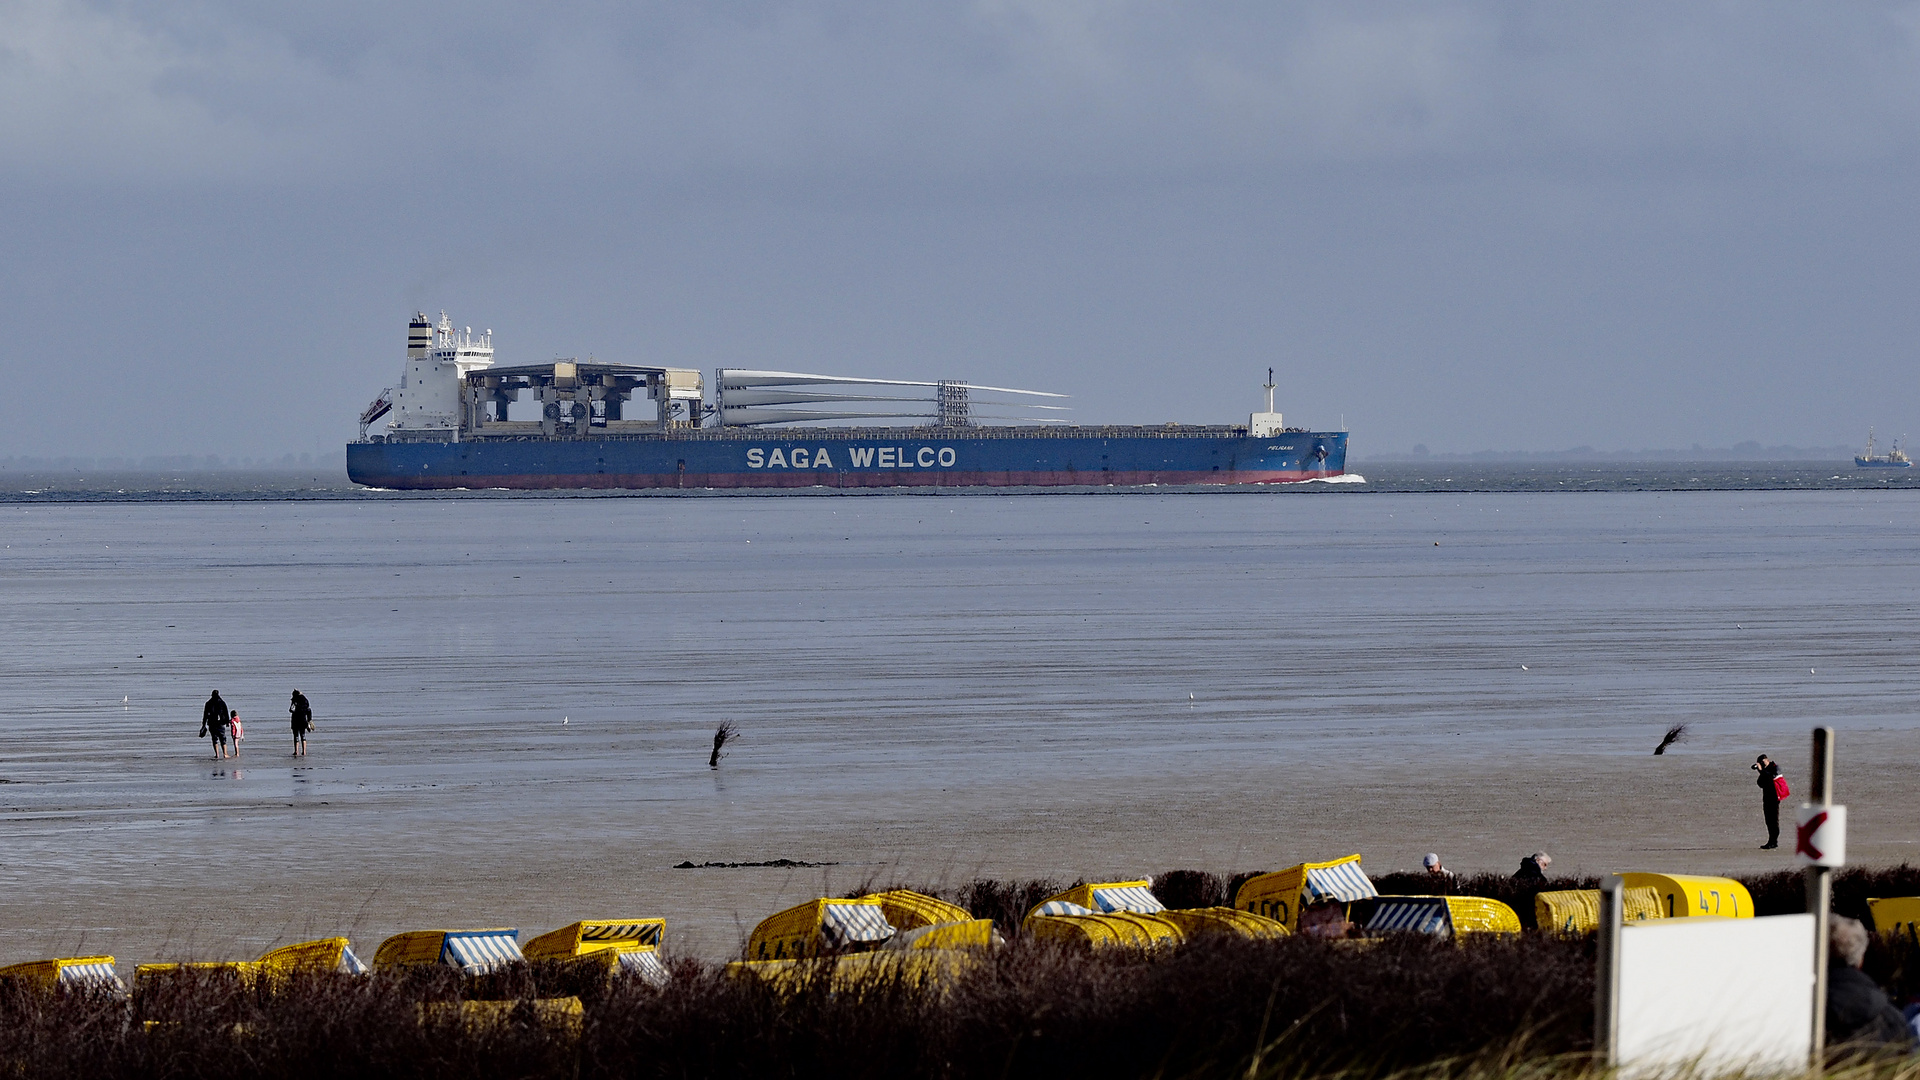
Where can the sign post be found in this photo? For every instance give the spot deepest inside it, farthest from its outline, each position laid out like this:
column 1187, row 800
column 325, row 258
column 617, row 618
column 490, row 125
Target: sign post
column 1820, row 844
column 1606, row 984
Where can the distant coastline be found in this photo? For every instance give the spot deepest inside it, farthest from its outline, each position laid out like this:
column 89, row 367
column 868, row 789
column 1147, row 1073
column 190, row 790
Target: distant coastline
column 1749, row 451
column 178, row 464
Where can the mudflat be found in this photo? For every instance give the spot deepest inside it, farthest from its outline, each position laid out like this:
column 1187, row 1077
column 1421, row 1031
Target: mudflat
column 515, row 699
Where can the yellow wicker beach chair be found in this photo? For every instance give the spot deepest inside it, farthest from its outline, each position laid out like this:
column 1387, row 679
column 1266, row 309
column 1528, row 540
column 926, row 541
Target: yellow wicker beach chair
column 1109, row 896
column 1443, row 916
column 1577, row 911
column 1280, row 895
column 616, row 946
column 820, row 927
column 472, row 951
column 1688, row 896
column 1898, row 915
column 961, row 934
column 75, row 972
column 909, row 910
column 1100, row 930
column 1085, row 930
column 1103, row 914
column 640, row 961
column 325, row 954
column 590, row 936
column 1157, row 929
column 1232, row 922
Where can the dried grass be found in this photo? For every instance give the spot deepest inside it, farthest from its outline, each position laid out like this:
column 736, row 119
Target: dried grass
column 1028, row 1010
column 1398, row 1008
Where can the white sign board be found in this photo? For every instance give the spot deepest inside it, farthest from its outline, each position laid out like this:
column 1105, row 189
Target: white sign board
column 1820, row 836
column 1716, row 995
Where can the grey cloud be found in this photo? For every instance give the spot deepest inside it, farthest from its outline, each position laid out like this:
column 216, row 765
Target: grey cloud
column 1046, row 86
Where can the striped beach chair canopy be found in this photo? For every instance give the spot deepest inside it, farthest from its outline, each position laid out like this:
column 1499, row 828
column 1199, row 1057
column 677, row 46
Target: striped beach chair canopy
column 1059, row 907
column 845, row 924
column 1343, row 881
column 590, row 936
column 644, row 964
column 1412, row 914
column 477, row 952
column 1135, row 898
column 642, row 931
column 97, row 974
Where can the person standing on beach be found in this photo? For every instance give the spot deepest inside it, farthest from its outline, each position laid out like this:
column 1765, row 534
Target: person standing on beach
column 213, row 722
column 1769, row 799
column 302, row 714
column 1533, row 868
column 234, row 729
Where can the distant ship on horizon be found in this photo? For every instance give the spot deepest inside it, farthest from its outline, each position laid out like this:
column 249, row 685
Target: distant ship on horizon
column 1895, row 458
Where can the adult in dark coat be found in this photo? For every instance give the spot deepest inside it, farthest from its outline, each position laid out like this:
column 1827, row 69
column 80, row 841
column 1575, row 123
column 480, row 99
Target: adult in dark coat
column 213, row 722
column 302, row 714
column 1533, row 868
column 1858, row 1012
column 1769, row 799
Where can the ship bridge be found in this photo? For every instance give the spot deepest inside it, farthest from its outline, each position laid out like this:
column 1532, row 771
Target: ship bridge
column 578, row 398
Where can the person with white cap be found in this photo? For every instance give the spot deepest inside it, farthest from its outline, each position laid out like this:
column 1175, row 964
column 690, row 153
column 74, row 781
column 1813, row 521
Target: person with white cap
column 1435, row 870
column 1534, row 867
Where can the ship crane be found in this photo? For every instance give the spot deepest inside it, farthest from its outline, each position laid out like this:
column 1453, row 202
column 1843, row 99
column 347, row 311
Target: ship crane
column 376, row 409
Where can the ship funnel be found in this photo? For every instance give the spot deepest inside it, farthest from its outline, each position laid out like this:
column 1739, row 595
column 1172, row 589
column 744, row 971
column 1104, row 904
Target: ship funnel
column 419, row 336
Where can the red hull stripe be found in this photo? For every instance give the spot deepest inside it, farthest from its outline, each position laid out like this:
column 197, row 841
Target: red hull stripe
column 806, row 479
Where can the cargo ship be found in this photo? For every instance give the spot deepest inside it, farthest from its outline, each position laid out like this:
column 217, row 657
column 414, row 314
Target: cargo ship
column 1895, row 458
column 450, row 423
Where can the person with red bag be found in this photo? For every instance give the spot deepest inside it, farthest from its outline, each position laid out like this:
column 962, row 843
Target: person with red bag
column 1773, row 788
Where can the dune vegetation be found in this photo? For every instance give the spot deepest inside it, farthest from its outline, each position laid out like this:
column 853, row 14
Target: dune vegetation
column 1399, row 1006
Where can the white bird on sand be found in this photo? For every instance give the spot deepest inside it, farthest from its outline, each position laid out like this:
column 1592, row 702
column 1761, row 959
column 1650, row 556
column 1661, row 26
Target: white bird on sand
column 563, row 721
column 1524, row 667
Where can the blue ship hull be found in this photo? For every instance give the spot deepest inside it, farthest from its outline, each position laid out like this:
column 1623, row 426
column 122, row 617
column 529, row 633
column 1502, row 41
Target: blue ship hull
column 736, row 458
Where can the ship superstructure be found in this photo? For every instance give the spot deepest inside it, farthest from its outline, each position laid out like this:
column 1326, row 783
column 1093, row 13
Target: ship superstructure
column 456, row 419
column 428, row 396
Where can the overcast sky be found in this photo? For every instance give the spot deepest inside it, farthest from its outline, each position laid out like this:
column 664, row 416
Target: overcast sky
column 1470, row 225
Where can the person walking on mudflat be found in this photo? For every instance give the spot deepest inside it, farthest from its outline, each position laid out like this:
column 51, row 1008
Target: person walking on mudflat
column 302, row 714
column 1771, row 784
column 213, row 722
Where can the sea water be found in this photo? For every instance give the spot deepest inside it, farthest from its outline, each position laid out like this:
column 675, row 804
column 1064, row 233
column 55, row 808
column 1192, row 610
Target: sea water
column 516, row 697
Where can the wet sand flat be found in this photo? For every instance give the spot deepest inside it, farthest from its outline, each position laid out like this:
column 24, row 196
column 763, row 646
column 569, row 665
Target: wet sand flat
column 929, row 689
